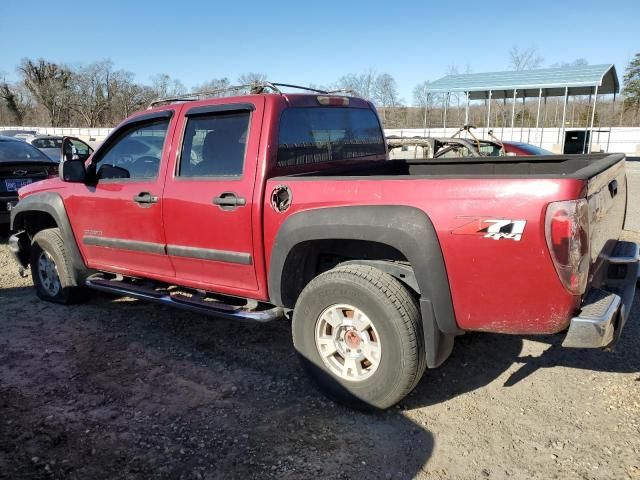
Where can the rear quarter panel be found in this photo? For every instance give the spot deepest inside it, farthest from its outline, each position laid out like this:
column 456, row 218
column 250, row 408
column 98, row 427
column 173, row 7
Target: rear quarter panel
column 500, row 285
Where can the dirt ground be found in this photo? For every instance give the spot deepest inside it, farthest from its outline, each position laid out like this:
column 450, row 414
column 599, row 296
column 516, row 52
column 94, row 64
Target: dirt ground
column 119, row 388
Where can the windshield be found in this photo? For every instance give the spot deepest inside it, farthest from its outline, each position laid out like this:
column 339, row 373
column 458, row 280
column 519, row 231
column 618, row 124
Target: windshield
column 16, row 151
column 490, row 150
column 328, row 134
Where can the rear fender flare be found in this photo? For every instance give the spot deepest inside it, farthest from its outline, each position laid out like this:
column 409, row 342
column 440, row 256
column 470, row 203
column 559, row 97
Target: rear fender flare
column 407, row 229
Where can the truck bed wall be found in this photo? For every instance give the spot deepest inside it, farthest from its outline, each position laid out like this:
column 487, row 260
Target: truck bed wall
column 580, row 167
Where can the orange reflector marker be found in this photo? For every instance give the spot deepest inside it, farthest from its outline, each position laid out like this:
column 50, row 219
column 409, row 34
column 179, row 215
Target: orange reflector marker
column 341, row 101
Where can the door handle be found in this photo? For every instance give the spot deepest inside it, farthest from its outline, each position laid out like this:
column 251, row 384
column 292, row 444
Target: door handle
column 145, row 198
column 229, row 201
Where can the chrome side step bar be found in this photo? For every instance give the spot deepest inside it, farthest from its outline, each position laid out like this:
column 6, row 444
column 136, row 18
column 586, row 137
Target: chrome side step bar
column 198, row 304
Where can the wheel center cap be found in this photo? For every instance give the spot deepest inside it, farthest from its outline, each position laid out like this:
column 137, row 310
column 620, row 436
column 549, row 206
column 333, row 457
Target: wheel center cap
column 352, row 338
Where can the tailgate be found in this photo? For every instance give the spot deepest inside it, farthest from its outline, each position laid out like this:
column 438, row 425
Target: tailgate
column 607, row 198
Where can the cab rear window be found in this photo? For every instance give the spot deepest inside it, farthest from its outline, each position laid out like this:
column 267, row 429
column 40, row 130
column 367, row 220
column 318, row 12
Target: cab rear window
column 328, row 134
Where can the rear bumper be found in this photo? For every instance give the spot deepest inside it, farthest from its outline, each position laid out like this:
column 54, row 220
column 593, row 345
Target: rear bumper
column 604, row 310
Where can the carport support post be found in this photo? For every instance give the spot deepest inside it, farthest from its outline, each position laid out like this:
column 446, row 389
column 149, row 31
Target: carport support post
column 504, row 109
column 538, row 113
column 613, row 114
column 564, row 114
column 593, row 117
column 544, row 118
column 524, row 107
column 424, row 131
column 444, row 119
column 513, row 112
column 466, row 110
column 489, row 109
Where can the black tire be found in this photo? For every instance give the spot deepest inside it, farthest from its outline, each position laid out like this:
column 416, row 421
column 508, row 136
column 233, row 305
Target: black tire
column 395, row 315
column 50, row 242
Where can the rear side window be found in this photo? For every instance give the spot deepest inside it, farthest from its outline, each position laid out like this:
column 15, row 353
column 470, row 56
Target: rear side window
column 47, row 143
column 328, row 134
column 214, row 145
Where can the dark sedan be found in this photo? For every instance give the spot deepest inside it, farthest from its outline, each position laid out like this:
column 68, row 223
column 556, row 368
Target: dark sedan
column 20, row 165
column 524, row 149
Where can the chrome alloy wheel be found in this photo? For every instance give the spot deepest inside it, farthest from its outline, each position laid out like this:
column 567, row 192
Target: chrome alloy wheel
column 348, row 342
column 48, row 273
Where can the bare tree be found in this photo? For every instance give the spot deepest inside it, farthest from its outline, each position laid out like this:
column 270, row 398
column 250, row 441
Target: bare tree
column 421, row 95
column 164, row 86
column 452, row 69
column 526, row 59
column 422, row 98
column 90, row 97
column 362, row 84
column 578, row 62
column 251, row 77
column 215, row 84
column 385, row 93
column 49, row 83
column 126, row 96
column 16, row 100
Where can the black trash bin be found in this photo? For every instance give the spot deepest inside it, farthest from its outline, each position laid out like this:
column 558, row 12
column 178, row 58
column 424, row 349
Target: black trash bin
column 574, row 141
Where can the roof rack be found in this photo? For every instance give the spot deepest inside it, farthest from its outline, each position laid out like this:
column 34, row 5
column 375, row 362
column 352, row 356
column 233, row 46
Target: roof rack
column 255, row 88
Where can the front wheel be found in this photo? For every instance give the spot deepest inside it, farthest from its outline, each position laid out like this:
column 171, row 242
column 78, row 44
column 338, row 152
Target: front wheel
column 51, row 269
column 358, row 333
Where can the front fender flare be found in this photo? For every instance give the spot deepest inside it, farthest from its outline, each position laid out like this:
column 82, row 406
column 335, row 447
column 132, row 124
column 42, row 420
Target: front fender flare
column 52, row 204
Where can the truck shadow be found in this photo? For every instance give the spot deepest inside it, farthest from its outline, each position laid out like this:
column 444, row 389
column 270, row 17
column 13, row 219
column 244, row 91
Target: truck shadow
column 151, row 379
column 479, row 359
column 130, row 389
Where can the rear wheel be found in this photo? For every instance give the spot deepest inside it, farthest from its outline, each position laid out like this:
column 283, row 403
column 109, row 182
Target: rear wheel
column 51, row 269
column 357, row 331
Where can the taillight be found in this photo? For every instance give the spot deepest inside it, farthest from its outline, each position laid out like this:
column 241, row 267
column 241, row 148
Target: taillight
column 567, row 232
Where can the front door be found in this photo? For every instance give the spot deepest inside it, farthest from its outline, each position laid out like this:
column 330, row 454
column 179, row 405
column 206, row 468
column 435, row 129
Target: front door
column 208, row 197
column 118, row 221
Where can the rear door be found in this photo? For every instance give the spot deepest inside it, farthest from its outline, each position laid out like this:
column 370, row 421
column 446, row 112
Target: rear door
column 118, row 221
column 208, row 196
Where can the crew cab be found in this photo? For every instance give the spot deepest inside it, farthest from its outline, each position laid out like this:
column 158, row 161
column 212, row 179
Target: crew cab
column 285, row 205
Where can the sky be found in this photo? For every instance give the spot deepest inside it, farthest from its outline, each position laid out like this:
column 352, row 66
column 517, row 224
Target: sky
column 306, row 42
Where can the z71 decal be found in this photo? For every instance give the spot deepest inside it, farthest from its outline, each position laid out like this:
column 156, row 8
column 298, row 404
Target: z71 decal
column 495, row 228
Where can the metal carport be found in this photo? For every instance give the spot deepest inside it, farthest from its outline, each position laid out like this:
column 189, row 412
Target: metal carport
column 592, row 80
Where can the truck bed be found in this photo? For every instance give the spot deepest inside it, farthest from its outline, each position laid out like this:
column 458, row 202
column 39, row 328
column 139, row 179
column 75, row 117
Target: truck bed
column 580, row 167
column 453, row 192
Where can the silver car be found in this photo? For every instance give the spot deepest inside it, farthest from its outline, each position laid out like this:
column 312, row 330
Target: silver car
column 51, row 145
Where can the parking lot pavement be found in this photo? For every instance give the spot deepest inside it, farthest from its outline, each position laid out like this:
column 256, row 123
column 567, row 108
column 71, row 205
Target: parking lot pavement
column 119, row 388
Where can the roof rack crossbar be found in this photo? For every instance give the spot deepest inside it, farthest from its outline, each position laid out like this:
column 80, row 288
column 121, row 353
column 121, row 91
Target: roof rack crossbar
column 253, row 88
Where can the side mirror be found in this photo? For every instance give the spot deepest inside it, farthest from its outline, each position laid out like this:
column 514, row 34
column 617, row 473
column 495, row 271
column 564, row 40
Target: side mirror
column 511, row 154
column 73, row 171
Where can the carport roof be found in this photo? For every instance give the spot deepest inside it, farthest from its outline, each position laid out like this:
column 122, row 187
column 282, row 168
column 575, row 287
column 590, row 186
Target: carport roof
column 580, row 80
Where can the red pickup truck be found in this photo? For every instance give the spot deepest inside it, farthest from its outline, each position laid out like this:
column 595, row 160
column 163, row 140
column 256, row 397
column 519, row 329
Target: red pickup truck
column 271, row 205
